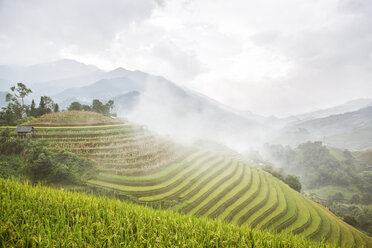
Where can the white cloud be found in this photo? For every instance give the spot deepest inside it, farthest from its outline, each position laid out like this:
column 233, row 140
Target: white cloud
column 271, row 57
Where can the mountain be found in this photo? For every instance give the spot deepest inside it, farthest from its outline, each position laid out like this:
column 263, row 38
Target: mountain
column 104, row 89
column 57, row 86
column 335, row 124
column 349, row 106
column 59, row 69
column 168, row 108
column 356, row 139
column 348, row 131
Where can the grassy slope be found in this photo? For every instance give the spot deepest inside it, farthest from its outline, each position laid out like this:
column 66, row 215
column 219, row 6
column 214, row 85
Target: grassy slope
column 72, row 118
column 44, row 217
column 146, row 168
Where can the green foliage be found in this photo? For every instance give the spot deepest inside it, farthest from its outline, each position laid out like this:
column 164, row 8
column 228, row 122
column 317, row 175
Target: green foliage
column 11, row 165
column 350, row 220
column 75, row 106
column 20, row 92
column 40, row 163
column 17, row 112
column 33, row 110
column 338, row 197
column 293, row 182
column 97, row 106
column 62, row 166
column 56, row 108
column 44, row 217
column 355, row 199
column 16, row 109
column 10, row 144
column 46, row 106
column 86, row 107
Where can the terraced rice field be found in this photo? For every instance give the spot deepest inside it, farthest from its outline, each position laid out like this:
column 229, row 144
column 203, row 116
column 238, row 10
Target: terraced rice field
column 153, row 170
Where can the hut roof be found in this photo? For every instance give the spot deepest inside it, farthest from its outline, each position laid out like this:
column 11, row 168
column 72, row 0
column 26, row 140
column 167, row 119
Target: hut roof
column 24, row 129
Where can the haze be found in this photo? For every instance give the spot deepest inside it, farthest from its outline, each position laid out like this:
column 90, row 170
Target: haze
column 269, row 57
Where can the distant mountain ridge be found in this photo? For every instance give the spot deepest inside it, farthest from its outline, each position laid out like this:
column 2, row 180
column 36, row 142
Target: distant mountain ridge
column 55, row 70
column 348, row 130
column 175, row 110
column 159, row 103
column 339, row 123
column 349, row 106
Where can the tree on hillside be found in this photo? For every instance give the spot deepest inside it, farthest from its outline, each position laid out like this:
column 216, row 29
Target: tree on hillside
column 16, row 109
column 97, row 106
column 41, row 109
column 56, row 108
column 46, row 106
column 75, row 106
column 33, row 110
column 19, row 91
column 293, row 182
column 110, row 105
column 86, row 107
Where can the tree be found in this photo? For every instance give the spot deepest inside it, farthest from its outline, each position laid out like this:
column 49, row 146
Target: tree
column 75, row 106
column 15, row 110
column 20, row 91
column 42, row 109
column 97, row 106
column 338, row 197
column 49, row 104
column 86, row 107
column 33, row 110
column 355, row 199
column 293, row 182
column 348, row 218
column 109, row 106
column 56, row 108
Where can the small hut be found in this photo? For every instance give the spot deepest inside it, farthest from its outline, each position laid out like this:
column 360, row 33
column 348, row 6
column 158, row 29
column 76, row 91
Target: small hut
column 23, row 130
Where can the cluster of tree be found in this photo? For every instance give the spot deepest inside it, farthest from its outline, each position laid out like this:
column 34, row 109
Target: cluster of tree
column 28, row 158
column 292, row 180
column 97, row 106
column 317, row 167
column 359, row 216
column 17, row 111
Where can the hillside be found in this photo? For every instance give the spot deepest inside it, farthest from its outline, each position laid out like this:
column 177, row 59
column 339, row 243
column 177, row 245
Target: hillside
column 145, row 168
column 57, row 218
column 72, row 118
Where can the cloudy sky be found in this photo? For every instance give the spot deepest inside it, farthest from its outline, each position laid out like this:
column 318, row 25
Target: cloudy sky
column 277, row 57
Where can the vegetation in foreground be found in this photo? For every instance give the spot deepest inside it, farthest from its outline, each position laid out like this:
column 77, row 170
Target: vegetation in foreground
column 28, row 158
column 37, row 216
